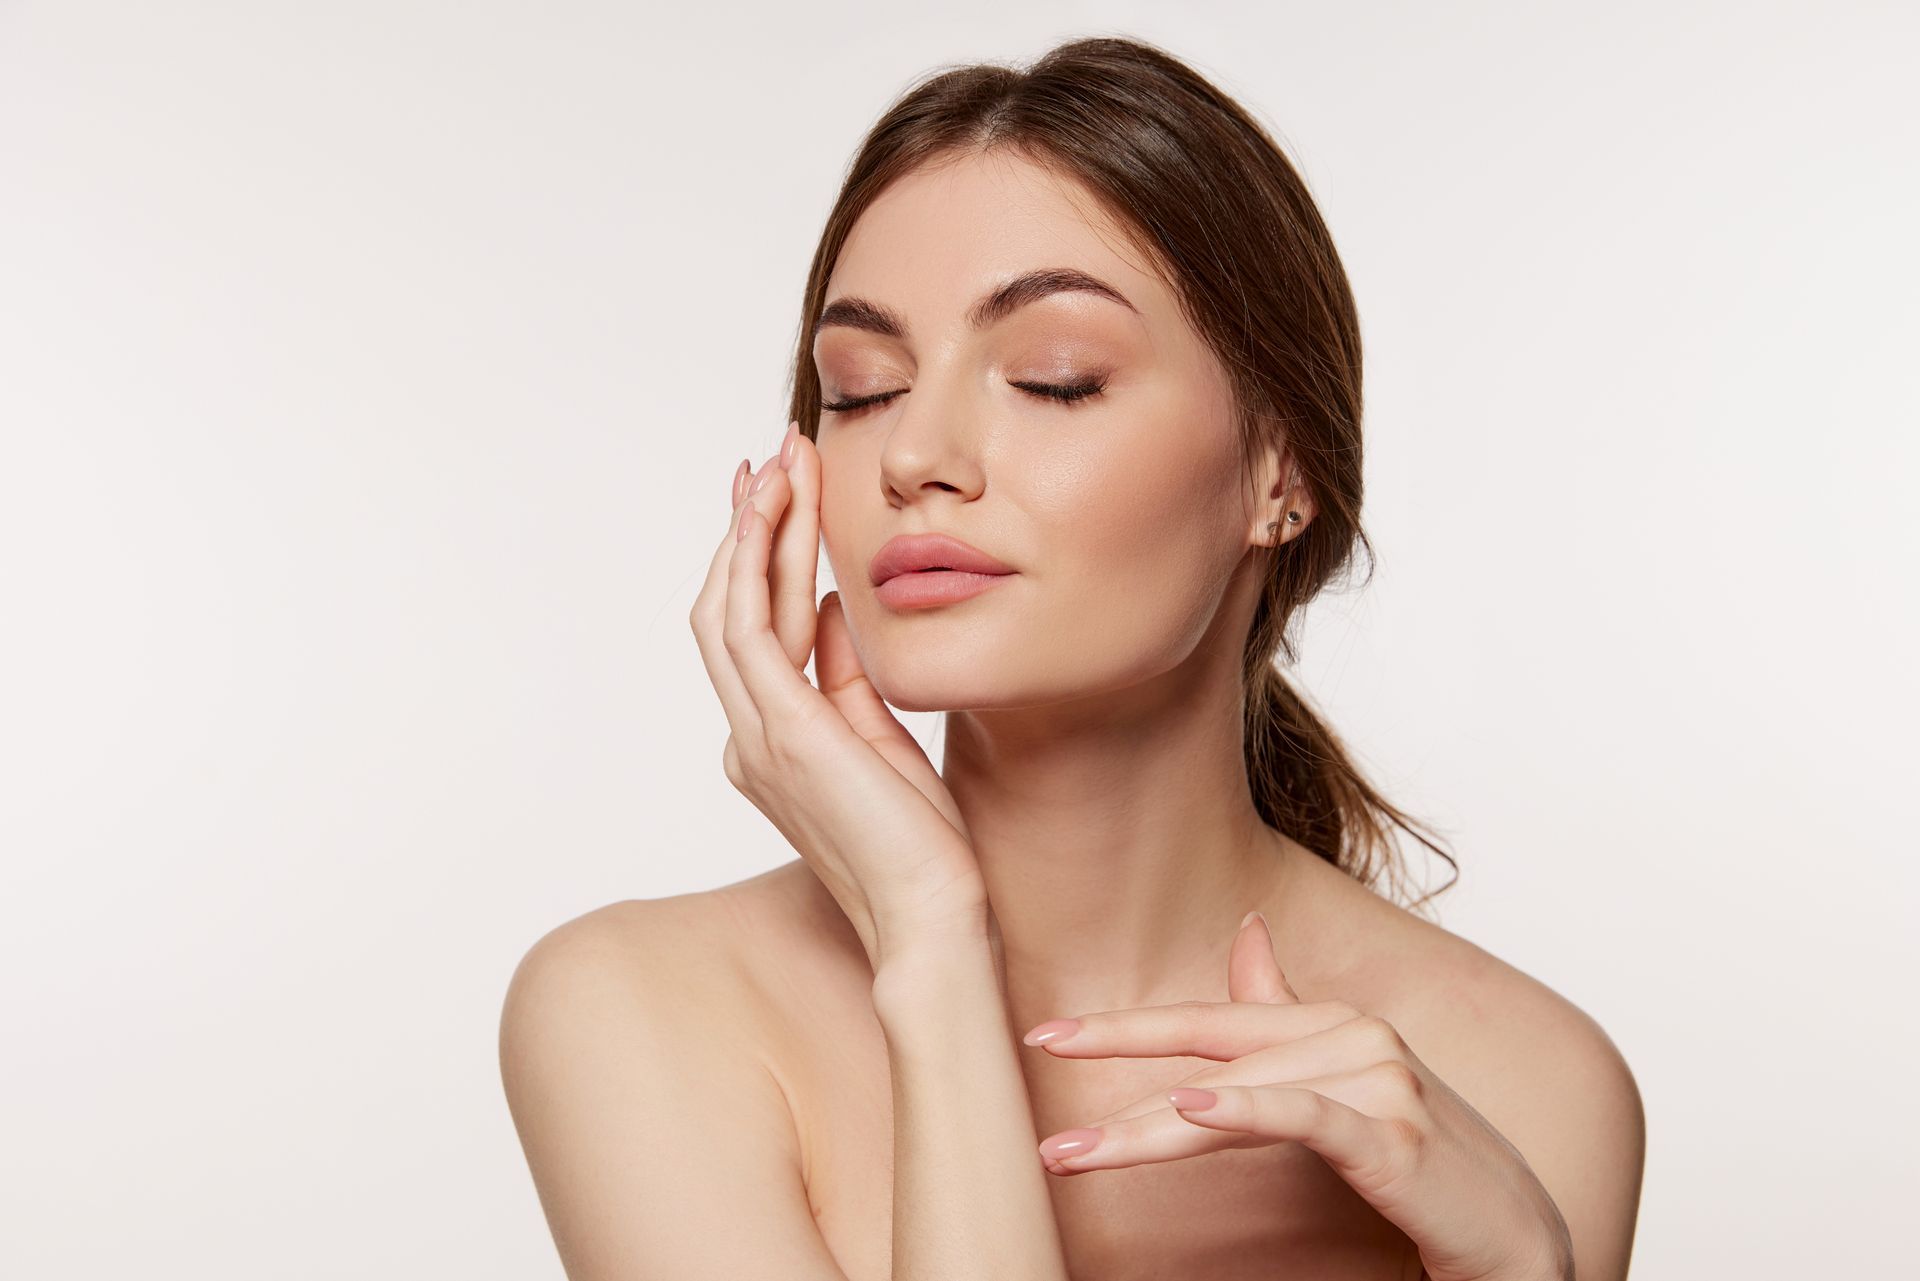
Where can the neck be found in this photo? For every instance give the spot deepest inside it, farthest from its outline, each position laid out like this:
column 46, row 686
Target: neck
column 1118, row 840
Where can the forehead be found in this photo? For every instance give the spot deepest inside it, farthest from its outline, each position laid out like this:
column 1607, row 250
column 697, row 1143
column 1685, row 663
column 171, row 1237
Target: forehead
column 939, row 238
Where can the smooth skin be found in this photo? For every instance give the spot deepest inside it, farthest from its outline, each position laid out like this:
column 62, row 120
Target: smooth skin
column 818, row 1072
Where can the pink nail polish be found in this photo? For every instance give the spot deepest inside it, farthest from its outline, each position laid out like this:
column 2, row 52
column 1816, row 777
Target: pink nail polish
column 1052, row 1030
column 740, row 478
column 746, row 515
column 1191, row 1100
column 1070, row 1143
column 758, row 482
column 786, row 446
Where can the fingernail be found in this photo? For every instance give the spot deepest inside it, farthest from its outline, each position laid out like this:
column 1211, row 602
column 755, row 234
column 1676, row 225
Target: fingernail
column 739, row 478
column 759, row 481
column 746, row 514
column 1070, row 1143
column 1052, row 1030
column 1250, row 915
column 1191, row 1100
column 786, row 446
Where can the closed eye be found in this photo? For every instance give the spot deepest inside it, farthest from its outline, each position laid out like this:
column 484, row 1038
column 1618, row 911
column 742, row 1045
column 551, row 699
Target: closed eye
column 1067, row 395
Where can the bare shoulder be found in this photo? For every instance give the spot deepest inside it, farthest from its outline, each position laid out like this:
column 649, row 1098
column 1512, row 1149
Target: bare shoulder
column 713, row 951
column 635, row 1066
column 1471, row 1007
column 1532, row 1062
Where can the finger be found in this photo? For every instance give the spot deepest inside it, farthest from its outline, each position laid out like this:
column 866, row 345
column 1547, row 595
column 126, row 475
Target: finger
column 741, row 475
column 778, row 689
column 1198, row 1029
column 1159, row 1135
column 771, row 491
column 1346, row 1047
column 1253, row 971
column 843, row 680
column 1350, row 1141
column 796, row 550
column 708, row 618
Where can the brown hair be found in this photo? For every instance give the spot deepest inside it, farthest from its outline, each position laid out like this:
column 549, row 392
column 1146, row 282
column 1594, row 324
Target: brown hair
column 1203, row 191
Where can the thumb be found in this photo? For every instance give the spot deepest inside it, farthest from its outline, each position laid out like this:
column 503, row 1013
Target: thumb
column 1253, row 971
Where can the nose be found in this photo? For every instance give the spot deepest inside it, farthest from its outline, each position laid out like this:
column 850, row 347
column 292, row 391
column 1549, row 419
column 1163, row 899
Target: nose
column 932, row 447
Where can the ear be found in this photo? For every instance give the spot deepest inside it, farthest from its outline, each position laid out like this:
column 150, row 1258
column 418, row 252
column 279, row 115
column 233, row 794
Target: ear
column 1278, row 490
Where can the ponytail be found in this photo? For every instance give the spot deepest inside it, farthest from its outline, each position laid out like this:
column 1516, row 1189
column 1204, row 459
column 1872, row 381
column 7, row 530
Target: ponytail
column 1306, row 785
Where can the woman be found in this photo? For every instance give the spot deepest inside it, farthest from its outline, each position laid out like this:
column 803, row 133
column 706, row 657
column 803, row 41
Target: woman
column 1077, row 416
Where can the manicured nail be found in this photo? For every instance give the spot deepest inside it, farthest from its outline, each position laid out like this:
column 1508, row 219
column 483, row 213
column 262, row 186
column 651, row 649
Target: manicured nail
column 746, row 514
column 1191, row 1100
column 1250, row 915
column 740, row 478
column 1070, row 1143
column 1052, row 1030
column 786, row 446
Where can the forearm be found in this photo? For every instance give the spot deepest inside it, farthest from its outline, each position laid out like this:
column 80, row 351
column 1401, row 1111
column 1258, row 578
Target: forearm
column 970, row 1199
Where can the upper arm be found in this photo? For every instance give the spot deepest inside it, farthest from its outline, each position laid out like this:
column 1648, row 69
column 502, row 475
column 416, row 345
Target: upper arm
column 660, row 1144
column 1570, row 1104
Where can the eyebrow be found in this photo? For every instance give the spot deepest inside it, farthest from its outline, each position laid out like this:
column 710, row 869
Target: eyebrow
column 993, row 307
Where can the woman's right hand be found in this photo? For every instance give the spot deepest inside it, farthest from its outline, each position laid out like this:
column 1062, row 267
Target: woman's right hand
column 831, row 768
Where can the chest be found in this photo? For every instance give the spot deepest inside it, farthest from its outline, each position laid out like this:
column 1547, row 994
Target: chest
column 1233, row 1215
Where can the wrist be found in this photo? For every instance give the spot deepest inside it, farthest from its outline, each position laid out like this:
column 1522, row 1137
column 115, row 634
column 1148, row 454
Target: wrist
column 902, row 939
column 925, row 969
column 1552, row 1261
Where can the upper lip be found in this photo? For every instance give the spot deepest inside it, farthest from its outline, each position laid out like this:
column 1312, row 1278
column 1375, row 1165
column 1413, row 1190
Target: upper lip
column 907, row 553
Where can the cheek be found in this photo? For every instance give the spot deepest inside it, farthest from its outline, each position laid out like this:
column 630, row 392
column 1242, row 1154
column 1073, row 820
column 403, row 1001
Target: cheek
column 1156, row 505
column 1138, row 548
column 838, row 526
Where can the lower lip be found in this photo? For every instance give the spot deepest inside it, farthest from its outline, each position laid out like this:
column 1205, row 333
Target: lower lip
column 933, row 587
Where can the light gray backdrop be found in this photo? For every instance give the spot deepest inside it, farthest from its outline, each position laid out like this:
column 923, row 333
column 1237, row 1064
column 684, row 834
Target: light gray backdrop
column 371, row 375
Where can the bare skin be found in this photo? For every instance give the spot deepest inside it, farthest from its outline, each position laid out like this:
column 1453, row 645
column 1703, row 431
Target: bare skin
column 701, row 1082
column 777, row 968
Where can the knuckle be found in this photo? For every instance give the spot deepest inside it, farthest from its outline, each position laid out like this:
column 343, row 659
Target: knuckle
column 1379, row 1036
column 1406, row 1138
column 1398, row 1076
column 1397, row 1158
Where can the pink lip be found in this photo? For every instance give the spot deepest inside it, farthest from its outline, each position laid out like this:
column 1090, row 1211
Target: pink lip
column 934, row 587
column 912, row 570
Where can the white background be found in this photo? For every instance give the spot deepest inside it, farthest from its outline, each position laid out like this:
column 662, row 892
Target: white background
column 371, row 377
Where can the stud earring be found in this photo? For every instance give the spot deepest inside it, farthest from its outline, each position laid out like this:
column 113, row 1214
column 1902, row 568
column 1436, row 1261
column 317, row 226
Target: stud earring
column 1293, row 518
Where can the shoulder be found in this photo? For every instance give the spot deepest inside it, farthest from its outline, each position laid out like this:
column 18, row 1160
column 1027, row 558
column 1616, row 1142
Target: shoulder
column 635, row 1068
column 721, row 963
column 1543, row 1072
column 681, row 955
column 637, row 981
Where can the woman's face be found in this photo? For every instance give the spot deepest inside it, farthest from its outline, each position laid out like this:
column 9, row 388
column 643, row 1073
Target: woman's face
column 1124, row 515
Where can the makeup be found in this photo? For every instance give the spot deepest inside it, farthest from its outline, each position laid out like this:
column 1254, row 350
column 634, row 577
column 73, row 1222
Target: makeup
column 922, row 588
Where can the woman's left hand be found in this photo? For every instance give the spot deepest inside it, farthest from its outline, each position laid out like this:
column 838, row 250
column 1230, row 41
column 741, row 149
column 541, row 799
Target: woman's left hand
column 1337, row 1080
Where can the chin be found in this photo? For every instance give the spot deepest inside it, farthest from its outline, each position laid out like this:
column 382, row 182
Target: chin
column 916, row 673
column 975, row 678
column 921, row 683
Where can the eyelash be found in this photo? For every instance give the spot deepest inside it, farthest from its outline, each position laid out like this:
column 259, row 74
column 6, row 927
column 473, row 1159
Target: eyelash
column 1067, row 396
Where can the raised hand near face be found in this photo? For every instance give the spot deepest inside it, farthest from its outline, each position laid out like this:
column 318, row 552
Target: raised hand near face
column 831, row 767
